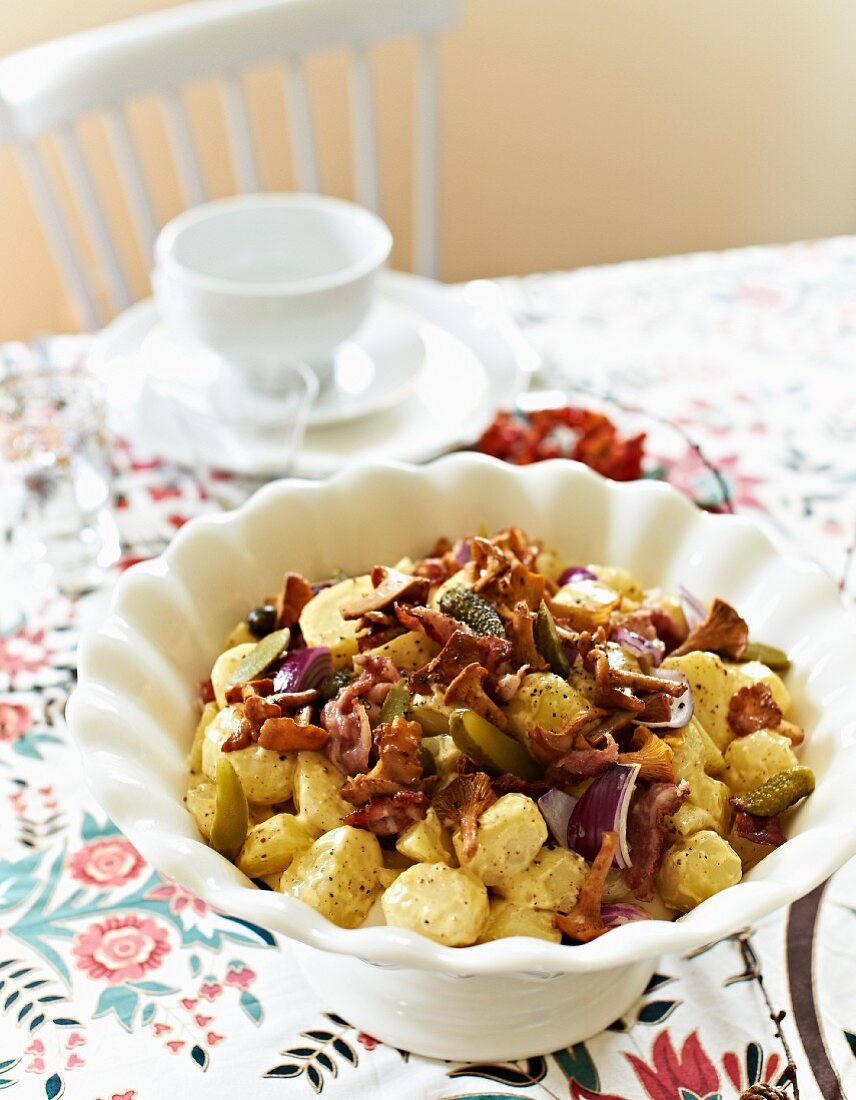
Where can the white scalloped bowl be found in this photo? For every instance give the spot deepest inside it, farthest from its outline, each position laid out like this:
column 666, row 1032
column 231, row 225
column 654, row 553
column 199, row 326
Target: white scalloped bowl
column 134, row 711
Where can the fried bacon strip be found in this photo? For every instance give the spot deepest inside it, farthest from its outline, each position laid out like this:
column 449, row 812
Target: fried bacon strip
column 287, row 735
column 753, row 708
column 759, row 830
column 295, row 594
column 389, row 585
column 468, row 689
column 461, row 804
column 390, row 814
column 584, row 923
column 723, row 632
column 646, row 836
column 398, row 767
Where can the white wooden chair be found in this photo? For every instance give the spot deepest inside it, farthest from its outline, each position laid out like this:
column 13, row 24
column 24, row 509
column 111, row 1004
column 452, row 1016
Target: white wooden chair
column 43, row 90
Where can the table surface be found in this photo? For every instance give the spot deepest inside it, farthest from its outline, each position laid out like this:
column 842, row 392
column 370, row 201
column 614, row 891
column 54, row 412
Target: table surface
column 116, row 985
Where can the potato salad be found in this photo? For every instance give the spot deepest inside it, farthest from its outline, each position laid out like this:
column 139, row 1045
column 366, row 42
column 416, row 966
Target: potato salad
column 490, row 741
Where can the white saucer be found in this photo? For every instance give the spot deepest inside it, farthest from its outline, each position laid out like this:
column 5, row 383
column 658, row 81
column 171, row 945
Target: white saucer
column 473, row 361
column 374, row 370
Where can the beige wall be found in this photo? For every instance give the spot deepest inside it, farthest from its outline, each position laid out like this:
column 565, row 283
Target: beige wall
column 574, row 131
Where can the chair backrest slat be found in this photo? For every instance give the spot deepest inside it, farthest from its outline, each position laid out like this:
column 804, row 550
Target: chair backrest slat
column 72, row 268
column 183, row 148
column 89, row 209
column 363, row 131
column 425, row 155
column 45, row 89
column 301, row 128
column 128, row 163
column 240, row 139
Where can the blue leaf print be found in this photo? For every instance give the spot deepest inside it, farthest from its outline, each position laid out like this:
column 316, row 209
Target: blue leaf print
column 200, row 1057
column 54, row 1087
column 851, row 1041
column 148, row 1013
column 121, row 1001
column 195, row 965
column 65, row 1021
column 576, row 1064
column 90, row 829
column 656, row 1012
column 252, row 1006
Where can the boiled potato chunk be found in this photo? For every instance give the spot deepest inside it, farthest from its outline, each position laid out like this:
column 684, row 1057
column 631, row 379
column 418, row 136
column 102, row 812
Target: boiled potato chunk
column 619, row 580
column 455, row 581
column 266, row 776
column 409, row 651
column 510, row 835
column 545, row 700
column 272, row 845
column 696, row 868
column 337, row 875
column 752, row 760
column 446, row 904
column 706, row 806
column 551, row 881
column 507, row 919
column 585, row 604
column 322, row 623
column 200, row 804
column 317, row 783
column 224, row 667
column 426, row 841
column 549, row 565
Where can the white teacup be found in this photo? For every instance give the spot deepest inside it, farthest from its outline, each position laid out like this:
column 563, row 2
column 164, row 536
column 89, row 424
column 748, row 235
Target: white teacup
column 266, row 274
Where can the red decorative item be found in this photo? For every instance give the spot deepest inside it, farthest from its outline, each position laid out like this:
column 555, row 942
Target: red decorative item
column 567, row 432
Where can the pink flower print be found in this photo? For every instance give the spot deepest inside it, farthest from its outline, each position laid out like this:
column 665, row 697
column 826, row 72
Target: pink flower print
column 15, row 720
column 179, row 899
column 242, row 978
column 112, row 861
column 23, row 650
column 121, row 949
column 210, row 991
column 368, row 1041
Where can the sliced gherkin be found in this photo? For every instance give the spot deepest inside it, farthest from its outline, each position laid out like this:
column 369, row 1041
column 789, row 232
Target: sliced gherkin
column 231, row 813
column 779, row 793
column 396, row 703
column 768, row 655
column 549, row 644
column 260, row 658
column 469, row 608
column 489, row 748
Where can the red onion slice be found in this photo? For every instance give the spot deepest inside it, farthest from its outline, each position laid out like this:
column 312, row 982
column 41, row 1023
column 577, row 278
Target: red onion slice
column 577, row 573
column 302, row 669
column 557, row 806
column 603, row 808
column 463, row 553
column 634, row 643
column 682, row 706
column 694, row 610
column 622, row 912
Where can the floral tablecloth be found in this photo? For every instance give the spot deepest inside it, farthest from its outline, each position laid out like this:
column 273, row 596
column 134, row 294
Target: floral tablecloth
column 118, row 985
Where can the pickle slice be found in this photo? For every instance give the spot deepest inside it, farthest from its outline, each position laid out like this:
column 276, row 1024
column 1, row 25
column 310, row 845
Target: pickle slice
column 768, row 655
column 396, row 703
column 262, row 657
column 231, row 815
column 779, row 793
column 489, row 748
column 549, row 644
